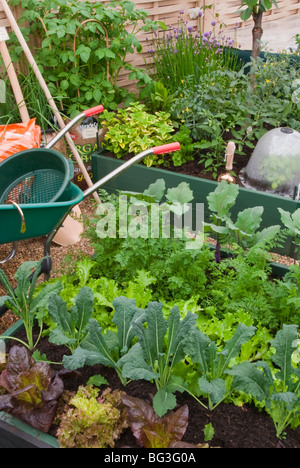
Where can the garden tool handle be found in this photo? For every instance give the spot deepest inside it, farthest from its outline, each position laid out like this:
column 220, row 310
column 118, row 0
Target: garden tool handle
column 127, row 164
column 168, row 148
column 93, row 111
column 23, row 223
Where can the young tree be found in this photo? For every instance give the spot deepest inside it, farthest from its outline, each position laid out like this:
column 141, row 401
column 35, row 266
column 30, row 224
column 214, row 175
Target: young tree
column 256, row 9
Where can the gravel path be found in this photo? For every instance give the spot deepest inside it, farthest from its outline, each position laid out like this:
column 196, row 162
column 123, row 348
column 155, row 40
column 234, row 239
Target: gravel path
column 34, row 250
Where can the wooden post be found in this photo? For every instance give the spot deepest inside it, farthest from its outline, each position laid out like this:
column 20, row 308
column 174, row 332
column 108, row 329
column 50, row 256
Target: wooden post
column 32, row 63
column 14, row 82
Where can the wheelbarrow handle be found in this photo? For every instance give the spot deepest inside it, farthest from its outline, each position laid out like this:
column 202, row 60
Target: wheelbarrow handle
column 169, row 148
column 88, row 112
column 93, row 111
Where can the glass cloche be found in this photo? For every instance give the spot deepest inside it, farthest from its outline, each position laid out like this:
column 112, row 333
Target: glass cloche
column 275, row 163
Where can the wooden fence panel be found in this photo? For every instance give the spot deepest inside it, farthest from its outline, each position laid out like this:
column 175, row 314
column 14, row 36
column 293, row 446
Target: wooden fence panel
column 280, row 24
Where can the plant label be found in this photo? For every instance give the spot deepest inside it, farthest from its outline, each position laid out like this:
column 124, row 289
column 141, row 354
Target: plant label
column 2, row 92
column 3, row 34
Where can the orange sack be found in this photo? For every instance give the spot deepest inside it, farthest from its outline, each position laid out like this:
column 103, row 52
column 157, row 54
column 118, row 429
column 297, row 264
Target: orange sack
column 18, row 137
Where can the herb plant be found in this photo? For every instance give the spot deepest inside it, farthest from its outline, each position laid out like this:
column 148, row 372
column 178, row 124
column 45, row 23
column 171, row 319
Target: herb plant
column 186, row 52
column 133, row 130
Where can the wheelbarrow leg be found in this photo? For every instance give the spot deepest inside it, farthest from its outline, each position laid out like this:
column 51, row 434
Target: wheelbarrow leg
column 12, row 253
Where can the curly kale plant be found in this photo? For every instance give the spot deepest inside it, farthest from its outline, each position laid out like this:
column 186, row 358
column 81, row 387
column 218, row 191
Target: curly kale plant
column 31, row 392
column 91, row 421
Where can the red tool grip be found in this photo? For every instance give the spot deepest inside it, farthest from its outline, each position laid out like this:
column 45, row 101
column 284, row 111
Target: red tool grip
column 169, row 148
column 93, row 111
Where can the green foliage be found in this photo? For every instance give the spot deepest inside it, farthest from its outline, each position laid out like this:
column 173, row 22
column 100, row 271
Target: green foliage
column 292, row 223
column 244, row 232
column 107, row 348
column 157, row 97
column 23, row 301
column 84, row 48
column 31, row 393
column 133, row 130
column 279, row 392
column 159, row 348
column 121, row 256
column 90, row 420
column 71, row 327
column 222, row 106
column 255, row 6
column 185, row 52
column 213, row 364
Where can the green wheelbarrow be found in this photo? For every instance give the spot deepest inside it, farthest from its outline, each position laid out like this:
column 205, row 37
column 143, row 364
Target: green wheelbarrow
column 36, row 194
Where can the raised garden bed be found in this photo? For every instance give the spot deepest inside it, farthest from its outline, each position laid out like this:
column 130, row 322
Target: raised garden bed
column 139, row 176
column 235, row 427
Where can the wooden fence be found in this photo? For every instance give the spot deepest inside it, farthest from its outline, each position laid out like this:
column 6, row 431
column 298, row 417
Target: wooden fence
column 280, row 24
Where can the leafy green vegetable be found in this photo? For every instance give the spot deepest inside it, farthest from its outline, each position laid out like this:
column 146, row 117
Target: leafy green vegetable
column 159, row 348
column 90, row 420
column 107, row 348
column 213, row 364
column 31, row 392
column 72, row 325
column 23, row 301
column 280, row 392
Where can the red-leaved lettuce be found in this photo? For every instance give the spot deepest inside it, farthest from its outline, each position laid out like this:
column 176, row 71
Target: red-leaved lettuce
column 32, row 392
column 150, row 430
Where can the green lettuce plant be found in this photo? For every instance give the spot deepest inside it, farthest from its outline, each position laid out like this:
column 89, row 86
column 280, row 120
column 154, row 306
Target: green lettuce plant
column 90, row 420
column 278, row 388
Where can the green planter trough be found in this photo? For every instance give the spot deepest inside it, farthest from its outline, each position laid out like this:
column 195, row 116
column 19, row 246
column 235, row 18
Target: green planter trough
column 139, row 177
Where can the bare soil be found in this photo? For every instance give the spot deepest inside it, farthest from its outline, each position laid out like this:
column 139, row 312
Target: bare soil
column 235, row 427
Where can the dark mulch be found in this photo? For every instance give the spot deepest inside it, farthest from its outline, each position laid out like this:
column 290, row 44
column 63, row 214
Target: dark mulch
column 235, row 427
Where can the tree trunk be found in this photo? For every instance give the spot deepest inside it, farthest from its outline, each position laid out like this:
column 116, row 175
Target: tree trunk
column 257, row 33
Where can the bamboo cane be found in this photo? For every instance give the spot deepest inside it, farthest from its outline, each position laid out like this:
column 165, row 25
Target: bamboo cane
column 14, row 82
column 32, row 63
